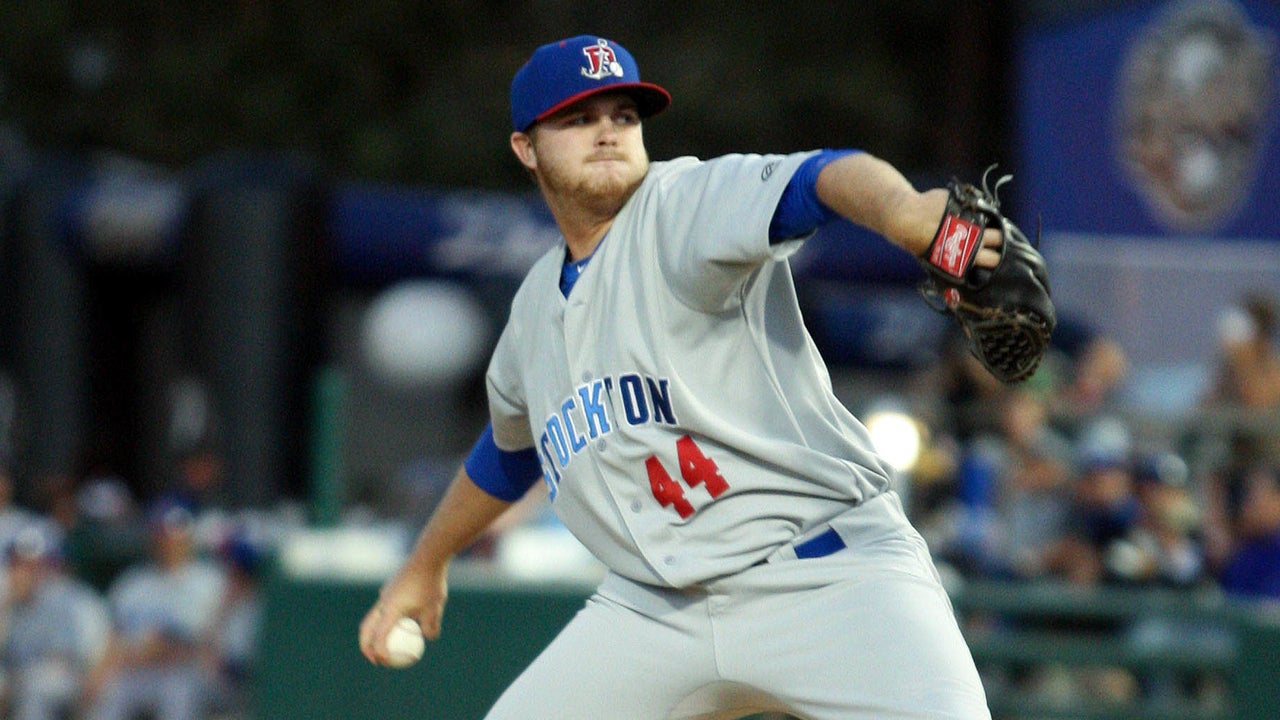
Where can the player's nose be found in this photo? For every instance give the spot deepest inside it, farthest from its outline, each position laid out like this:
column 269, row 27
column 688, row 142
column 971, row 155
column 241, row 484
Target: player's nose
column 608, row 132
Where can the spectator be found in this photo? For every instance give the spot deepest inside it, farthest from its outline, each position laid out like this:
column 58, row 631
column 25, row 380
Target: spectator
column 198, row 476
column 1247, row 451
column 105, row 499
column 1034, row 497
column 100, row 517
column 197, row 484
column 58, row 628
column 1010, row 495
column 230, row 649
column 1248, row 374
column 1094, row 368
column 968, row 389
column 1105, row 506
column 1164, row 547
column 13, row 517
column 161, row 610
column 1252, row 568
column 56, row 498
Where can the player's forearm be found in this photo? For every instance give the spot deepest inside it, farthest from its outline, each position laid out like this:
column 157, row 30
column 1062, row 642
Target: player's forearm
column 464, row 513
column 874, row 194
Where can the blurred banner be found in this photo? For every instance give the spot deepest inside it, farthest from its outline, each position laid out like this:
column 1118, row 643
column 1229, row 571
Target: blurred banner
column 1149, row 157
column 1151, row 119
column 386, row 233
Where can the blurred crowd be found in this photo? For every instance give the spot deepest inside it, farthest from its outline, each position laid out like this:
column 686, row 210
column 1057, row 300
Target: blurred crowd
column 115, row 608
column 1056, row 478
column 1059, row 480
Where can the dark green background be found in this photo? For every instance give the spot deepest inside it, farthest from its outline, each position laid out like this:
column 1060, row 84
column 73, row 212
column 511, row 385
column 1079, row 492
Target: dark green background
column 311, row 667
column 417, row 91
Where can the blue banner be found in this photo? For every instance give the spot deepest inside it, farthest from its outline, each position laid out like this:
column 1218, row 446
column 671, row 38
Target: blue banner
column 1152, row 119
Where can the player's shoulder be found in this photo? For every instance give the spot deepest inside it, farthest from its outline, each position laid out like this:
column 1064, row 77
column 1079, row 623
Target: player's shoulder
column 546, row 268
column 669, row 172
column 664, row 172
column 541, row 277
column 661, row 169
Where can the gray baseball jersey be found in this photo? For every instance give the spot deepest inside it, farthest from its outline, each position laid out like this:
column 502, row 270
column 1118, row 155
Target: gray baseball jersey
column 685, row 422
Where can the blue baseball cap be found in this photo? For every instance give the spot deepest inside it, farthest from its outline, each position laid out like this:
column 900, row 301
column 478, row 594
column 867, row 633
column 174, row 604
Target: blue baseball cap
column 561, row 73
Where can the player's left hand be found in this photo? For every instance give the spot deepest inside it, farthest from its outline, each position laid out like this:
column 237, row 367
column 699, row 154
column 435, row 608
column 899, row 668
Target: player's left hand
column 997, row 291
column 923, row 220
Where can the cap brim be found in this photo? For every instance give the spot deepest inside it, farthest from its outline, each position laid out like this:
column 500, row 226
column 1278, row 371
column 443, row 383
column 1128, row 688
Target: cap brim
column 650, row 99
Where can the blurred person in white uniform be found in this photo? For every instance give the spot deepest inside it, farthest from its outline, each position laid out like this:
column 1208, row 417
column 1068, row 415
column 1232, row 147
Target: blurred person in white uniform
column 161, row 610
column 57, row 630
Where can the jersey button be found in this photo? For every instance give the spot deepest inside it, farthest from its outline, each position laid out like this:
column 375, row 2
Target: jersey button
column 586, row 376
column 670, row 560
column 636, row 505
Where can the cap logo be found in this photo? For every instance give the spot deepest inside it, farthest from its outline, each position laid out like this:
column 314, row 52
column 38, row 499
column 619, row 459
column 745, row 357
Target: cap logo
column 601, row 61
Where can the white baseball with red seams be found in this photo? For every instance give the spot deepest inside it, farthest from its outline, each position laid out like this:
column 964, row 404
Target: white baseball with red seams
column 405, row 643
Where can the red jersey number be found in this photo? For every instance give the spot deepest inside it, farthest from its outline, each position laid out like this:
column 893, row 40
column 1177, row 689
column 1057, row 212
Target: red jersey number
column 695, row 469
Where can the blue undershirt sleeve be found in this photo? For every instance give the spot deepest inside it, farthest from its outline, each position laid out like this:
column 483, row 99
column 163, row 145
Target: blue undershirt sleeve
column 799, row 210
column 504, row 475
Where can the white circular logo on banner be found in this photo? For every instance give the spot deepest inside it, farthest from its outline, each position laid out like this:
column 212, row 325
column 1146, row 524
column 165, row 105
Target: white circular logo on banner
column 1193, row 111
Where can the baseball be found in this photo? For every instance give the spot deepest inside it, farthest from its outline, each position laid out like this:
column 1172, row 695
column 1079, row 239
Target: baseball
column 405, row 643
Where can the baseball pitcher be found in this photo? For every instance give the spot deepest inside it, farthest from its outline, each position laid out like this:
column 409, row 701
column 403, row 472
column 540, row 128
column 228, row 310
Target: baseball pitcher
column 656, row 375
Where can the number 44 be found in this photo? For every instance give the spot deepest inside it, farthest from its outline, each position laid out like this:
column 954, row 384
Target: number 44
column 695, row 468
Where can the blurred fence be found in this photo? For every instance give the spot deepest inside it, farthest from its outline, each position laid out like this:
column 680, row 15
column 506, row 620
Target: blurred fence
column 1049, row 650
column 311, row 666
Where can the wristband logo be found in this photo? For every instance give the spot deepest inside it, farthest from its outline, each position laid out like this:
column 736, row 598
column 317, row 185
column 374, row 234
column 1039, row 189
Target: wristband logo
column 954, row 246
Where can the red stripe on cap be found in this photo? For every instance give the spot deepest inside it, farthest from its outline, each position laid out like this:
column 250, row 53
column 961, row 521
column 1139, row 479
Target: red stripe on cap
column 656, row 98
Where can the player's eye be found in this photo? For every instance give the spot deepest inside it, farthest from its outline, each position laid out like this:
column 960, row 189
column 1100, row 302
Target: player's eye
column 572, row 119
column 627, row 117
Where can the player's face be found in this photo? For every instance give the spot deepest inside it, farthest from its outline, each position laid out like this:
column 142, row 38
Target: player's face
column 591, row 152
column 172, row 546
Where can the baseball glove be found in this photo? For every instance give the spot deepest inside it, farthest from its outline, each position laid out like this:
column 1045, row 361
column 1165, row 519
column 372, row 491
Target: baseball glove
column 1006, row 312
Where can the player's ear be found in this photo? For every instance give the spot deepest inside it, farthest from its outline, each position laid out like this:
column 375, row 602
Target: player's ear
column 522, row 146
